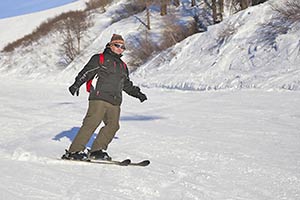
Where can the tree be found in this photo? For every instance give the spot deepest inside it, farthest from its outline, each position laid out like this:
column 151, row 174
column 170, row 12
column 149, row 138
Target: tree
column 256, row 2
column 193, row 3
column 148, row 15
column 217, row 7
column 72, row 29
column 163, row 7
column 244, row 4
column 147, row 4
column 176, row 3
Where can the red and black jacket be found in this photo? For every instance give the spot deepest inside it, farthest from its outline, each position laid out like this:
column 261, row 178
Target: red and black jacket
column 111, row 75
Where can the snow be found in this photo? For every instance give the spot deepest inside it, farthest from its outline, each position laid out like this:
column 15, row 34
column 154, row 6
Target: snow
column 241, row 52
column 13, row 28
column 202, row 145
column 221, row 121
column 21, row 7
column 217, row 60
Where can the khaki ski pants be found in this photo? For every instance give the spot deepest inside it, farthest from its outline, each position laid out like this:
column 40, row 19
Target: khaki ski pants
column 98, row 111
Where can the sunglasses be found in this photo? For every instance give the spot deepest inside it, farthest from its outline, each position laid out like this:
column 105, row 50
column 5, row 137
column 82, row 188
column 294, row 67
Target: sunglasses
column 120, row 46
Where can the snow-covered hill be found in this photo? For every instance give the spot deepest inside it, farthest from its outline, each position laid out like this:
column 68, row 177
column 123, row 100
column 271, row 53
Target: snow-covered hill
column 234, row 54
column 14, row 28
column 20, row 7
column 241, row 52
column 214, row 145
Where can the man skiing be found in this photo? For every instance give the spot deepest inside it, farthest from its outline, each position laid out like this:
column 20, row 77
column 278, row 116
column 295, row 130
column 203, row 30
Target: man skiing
column 112, row 77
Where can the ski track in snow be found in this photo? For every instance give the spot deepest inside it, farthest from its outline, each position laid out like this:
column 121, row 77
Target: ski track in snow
column 202, row 145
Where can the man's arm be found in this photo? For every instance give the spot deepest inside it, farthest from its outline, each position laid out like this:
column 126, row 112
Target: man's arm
column 87, row 73
column 132, row 90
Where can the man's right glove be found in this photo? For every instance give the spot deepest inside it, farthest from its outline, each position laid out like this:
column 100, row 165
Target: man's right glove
column 142, row 97
column 74, row 89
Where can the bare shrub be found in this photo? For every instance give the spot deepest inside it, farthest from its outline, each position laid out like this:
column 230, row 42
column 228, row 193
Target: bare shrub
column 38, row 33
column 269, row 31
column 140, row 50
column 176, row 3
column 287, row 14
column 175, row 32
column 226, row 34
column 72, row 28
column 51, row 24
column 172, row 34
column 290, row 10
column 217, row 7
column 41, row 31
column 256, row 2
column 95, row 4
column 135, row 6
column 237, row 5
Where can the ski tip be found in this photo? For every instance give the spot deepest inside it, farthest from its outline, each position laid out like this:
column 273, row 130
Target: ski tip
column 125, row 162
column 146, row 162
column 143, row 163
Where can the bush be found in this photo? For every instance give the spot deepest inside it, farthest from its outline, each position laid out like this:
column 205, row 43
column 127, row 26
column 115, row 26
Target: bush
column 287, row 14
column 290, row 10
column 172, row 34
column 72, row 28
column 38, row 33
column 135, row 6
column 95, row 4
column 140, row 50
column 53, row 24
column 269, row 31
column 225, row 34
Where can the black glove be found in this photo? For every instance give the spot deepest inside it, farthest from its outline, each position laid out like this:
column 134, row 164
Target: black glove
column 142, row 97
column 74, row 89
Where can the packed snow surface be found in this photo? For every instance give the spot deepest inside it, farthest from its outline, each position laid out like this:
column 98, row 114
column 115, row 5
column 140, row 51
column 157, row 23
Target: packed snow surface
column 202, row 145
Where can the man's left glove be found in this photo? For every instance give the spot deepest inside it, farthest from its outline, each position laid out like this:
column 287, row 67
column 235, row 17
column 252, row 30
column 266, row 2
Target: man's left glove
column 142, row 97
column 74, row 89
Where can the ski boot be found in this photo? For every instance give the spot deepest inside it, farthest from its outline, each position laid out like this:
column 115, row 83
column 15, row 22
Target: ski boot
column 99, row 155
column 75, row 155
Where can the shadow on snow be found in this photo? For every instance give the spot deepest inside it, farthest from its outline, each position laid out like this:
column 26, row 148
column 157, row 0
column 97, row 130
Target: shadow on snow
column 70, row 134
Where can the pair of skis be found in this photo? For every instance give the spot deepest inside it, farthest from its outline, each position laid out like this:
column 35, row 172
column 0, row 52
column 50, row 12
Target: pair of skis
column 126, row 162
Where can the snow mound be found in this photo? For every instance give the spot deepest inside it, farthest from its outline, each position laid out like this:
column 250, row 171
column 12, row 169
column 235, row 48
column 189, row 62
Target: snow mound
column 241, row 52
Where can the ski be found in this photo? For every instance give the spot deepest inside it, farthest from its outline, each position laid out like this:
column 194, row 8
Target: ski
column 143, row 163
column 126, row 162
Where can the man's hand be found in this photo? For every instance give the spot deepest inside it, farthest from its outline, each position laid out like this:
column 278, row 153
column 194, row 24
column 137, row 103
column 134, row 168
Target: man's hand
column 142, row 97
column 74, row 89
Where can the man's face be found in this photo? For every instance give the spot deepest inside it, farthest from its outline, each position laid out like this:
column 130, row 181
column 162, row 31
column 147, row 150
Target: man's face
column 117, row 48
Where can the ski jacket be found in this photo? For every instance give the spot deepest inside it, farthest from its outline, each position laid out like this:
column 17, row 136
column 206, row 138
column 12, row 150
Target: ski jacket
column 112, row 77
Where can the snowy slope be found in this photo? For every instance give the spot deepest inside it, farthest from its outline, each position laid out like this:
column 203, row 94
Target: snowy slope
column 43, row 59
column 235, row 145
column 216, row 145
column 19, row 7
column 129, row 28
column 14, row 28
column 233, row 54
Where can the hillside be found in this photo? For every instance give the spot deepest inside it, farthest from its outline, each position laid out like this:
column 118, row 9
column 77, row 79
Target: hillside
column 227, row 143
column 17, row 26
column 244, row 51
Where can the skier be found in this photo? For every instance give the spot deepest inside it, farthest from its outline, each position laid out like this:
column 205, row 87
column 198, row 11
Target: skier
column 111, row 76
